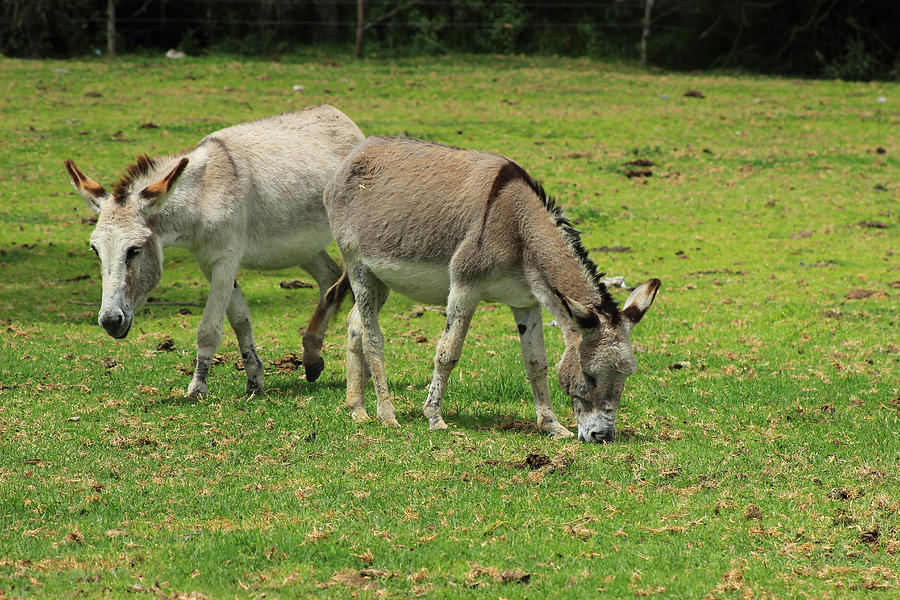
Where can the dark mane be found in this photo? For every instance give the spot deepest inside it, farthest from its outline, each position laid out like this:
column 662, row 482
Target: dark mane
column 572, row 236
column 142, row 166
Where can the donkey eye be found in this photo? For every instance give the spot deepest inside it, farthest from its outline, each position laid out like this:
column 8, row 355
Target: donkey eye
column 590, row 379
column 132, row 252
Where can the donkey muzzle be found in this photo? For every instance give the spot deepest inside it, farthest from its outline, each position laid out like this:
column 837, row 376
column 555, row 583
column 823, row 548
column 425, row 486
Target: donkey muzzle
column 600, row 431
column 116, row 322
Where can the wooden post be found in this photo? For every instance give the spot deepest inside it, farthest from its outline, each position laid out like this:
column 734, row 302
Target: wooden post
column 648, row 9
column 111, row 28
column 359, row 27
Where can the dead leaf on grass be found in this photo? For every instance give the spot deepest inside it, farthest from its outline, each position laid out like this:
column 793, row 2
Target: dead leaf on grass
column 732, row 581
column 521, row 425
column 860, row 293
column 74, row 537
column 694, row 94
column 802, row 234
column 288, row 363
column 843, row 494
column 641, row 162
column 535, row 461
column 115, row 533
column 167, row 345
column 869, row 536
column 650, row 591
column 294, row 284
column 195, row 595
column 479, row 575
column 364, row 579
column 753, row 512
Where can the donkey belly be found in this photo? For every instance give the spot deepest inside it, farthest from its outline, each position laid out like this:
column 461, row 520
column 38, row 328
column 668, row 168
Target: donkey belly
column 428, row 283
column 278, row 251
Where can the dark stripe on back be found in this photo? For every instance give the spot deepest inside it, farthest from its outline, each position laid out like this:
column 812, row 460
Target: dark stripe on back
column 509, row 172
column 221, row 144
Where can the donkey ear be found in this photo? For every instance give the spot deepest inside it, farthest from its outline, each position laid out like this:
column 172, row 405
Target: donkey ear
column 640, row 300
column 585, row 318
column 155, row 194
column 92, row 192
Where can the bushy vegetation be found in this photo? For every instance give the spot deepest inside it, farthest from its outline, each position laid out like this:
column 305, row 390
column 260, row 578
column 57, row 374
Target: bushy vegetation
column 857, row 40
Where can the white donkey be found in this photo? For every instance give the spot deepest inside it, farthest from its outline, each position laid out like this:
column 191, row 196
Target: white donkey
column 450, row 226
column 246, row 196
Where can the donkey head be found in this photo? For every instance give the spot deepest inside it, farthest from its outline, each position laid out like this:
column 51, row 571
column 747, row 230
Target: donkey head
column 129, row 250
column 593, row 372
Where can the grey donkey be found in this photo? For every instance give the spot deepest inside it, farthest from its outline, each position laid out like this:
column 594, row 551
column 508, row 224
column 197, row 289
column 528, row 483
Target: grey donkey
column 454, row 227
column 248, row 196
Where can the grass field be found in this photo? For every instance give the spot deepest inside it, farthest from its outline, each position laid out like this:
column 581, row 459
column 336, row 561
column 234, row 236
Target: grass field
column 767, row 467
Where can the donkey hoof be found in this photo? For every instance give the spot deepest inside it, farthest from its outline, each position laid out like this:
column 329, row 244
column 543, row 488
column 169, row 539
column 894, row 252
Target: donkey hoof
column 254, row 387
column 197, row 390
column 313, row 369
column 558, row 432
column 436, row 424
column 388, row 418
column 359, row 415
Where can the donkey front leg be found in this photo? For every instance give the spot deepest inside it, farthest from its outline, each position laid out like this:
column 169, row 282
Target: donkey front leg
column 239, row 318
column 357, row 374
column 531, row 336
column 370, row 294
column 326, row 272
column 209, row 333
column 461, row 305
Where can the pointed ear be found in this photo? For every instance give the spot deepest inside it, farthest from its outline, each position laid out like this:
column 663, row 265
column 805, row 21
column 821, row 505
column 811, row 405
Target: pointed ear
column 92, row 192
column 155, row 194
column 640, row 300
column 585, row 318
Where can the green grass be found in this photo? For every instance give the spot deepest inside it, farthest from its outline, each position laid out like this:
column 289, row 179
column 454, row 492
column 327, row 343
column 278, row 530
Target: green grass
column 767, row 468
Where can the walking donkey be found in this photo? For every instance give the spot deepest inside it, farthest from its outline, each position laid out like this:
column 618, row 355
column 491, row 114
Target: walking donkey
column 449, row 226
column 246, row 196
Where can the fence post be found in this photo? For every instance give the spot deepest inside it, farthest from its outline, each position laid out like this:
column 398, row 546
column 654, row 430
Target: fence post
column 111, row 28
column 359, row 27
column 648, row 9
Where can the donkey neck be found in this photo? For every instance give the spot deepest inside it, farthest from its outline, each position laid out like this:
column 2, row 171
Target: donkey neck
column 558, row 265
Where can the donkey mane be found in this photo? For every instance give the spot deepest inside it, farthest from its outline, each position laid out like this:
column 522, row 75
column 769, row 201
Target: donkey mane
column 142, row 167
column 572, row 237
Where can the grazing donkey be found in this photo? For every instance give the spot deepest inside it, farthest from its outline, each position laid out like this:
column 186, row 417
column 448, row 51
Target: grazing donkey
column 450, row 226
column 246, row 196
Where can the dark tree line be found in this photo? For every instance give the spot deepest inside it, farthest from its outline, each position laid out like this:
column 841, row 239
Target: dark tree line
column 851, row 39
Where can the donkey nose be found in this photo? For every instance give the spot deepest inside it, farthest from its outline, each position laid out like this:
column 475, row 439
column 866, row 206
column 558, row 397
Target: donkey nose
column 112, row 321
column 602, row 436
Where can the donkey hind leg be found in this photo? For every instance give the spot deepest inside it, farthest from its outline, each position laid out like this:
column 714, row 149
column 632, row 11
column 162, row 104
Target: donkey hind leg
column 461, row 305
column 209, row 333
column 370, row 294
column 357, row 370
column 239, row 318
column 531, row 335
column 326, row 272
